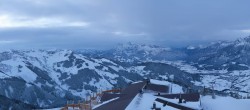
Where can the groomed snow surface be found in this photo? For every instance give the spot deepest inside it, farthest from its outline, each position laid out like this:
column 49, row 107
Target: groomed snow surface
column 224, row 103
column 145, row 102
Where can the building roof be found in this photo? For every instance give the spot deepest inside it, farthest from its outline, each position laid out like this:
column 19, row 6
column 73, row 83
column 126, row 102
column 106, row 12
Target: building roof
column 108, row 96
column 123, row 101
column 178, row 106
column 192, row 97
column 157, row 88
column 129, row 98
column 145, row 102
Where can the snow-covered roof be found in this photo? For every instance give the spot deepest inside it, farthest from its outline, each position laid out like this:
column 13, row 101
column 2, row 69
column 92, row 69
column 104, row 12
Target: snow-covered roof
column 145, row 102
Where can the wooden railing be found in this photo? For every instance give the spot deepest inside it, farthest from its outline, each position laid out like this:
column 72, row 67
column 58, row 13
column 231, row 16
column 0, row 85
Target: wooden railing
column 88, row 104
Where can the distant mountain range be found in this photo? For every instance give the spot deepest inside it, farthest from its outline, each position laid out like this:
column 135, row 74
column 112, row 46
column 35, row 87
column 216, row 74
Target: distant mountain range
column 229, row 55
column 130, row 52
column 232, row 55
column 48, row 78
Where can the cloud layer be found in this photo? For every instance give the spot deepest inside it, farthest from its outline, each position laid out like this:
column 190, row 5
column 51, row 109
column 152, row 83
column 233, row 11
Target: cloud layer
column 78, row 24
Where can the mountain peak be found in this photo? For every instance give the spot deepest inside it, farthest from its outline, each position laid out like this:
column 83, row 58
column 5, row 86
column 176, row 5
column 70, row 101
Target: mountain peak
column 242, row 41
column 141, row 47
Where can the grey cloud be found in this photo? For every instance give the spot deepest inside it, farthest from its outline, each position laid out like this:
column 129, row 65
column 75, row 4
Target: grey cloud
column 67, row 38
column 163, row 22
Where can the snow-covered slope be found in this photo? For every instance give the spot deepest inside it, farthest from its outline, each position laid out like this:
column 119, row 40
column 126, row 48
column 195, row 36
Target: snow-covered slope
column 227, row 55
column 224, row 103
column 49, row 78
column 130, row 52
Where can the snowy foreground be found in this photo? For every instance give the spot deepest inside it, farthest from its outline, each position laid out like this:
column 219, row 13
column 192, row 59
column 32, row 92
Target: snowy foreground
column 224, row 103
column 145, row 101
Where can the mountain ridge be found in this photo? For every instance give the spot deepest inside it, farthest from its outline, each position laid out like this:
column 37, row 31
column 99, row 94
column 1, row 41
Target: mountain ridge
column 48, row 78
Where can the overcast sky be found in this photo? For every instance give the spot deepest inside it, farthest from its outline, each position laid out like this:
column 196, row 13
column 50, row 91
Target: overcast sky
column 99, row 24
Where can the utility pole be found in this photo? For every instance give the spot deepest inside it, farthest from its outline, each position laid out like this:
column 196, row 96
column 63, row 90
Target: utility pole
column 171, row 77
column 204, row 91
column 248, row 94
column 213, row 93
column 171, row 88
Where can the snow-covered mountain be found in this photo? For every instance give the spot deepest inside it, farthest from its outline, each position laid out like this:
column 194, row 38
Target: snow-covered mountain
column 45, row 78
column 48, row 78
column 130, row 52
column 221, row 55
column 227, row 55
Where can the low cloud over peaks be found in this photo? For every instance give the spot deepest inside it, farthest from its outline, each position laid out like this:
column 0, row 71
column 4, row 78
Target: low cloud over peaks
column 81, row 24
